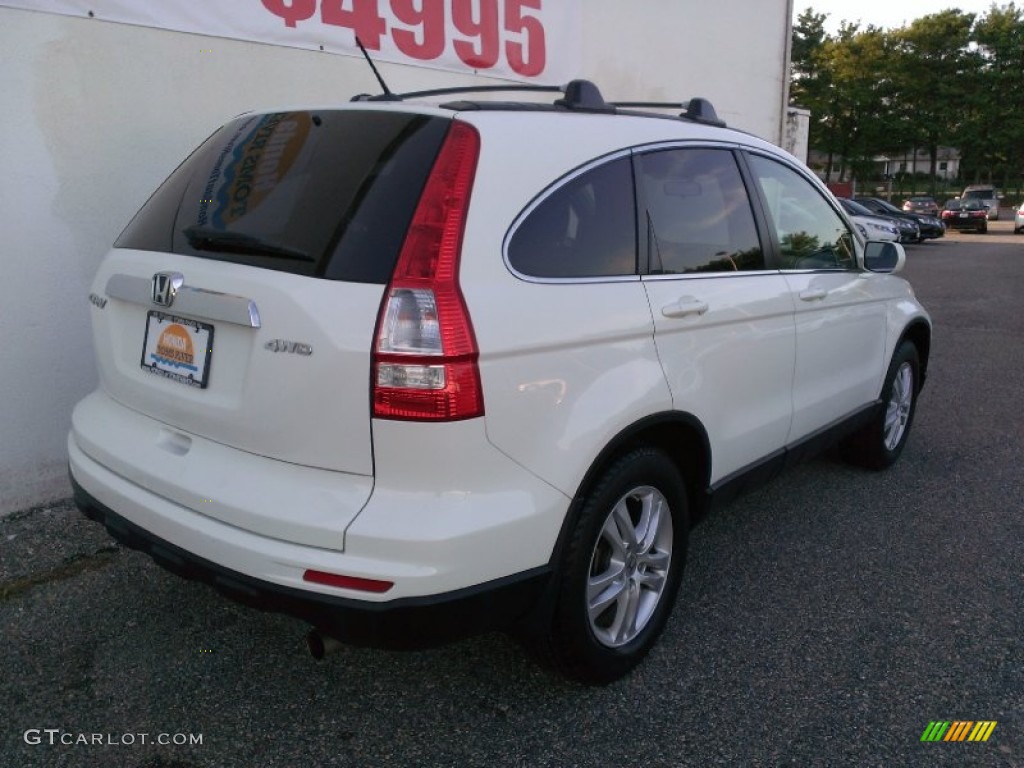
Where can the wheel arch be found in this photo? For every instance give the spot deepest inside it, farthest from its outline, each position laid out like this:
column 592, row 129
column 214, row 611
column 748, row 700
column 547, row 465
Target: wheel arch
column 919, row 333
column 682, row 438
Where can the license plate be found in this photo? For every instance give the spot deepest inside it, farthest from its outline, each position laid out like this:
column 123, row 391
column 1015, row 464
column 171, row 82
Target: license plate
column 965, row 215
column 178, row 348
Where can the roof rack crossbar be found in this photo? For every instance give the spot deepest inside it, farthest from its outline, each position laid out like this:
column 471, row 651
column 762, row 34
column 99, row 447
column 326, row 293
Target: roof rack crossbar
column 650, row 104
column 697, row 109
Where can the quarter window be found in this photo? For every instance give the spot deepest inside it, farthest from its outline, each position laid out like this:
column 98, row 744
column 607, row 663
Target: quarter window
column 585, row 228
column 698, row 214
column 810, row 233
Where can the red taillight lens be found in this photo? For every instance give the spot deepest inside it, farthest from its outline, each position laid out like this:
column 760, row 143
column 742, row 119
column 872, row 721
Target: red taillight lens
column 425, row 352
column 347, row 582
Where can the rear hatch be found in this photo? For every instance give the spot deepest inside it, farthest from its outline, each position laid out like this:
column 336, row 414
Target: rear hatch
column 241, row 300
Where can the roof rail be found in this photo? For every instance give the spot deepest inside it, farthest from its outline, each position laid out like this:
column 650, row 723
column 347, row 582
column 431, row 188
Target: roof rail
column 697, row 109
column 577, row 96
column 457, row 89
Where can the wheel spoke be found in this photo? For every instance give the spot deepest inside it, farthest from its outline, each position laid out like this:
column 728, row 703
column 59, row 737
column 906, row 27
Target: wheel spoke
column 611, row 534
column 650, row 521
column 652, row 581
column 624, row 629
column 604, row 589
column 656, row 561
column 624, row 524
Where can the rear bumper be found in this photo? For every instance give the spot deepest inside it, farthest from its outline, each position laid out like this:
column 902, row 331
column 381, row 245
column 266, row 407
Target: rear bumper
column 405, row 623
column 464, row 535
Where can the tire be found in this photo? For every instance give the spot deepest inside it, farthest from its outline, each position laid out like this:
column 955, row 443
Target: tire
column 879, row 444
column 621, row 570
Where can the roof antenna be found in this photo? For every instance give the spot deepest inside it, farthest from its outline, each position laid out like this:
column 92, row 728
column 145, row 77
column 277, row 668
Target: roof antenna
column 384, row 86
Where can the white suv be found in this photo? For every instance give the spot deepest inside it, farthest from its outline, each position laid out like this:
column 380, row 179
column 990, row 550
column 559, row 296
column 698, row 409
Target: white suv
column 410, row 370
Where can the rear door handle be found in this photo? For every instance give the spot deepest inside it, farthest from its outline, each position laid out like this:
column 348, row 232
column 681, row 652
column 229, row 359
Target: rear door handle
column 813, row 295
column 685, row 306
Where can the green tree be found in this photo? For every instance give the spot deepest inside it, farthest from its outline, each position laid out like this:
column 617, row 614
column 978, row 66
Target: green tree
column 936, row 69
column 864, row 92
column 812, row 81
column 946, row 79
column 991, row 136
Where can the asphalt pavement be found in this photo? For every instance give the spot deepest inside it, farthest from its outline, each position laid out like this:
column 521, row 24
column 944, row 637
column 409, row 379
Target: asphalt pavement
column 825, row 619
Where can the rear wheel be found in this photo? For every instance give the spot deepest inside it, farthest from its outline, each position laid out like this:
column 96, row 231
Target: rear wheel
column 880, row 443
column 621, row 570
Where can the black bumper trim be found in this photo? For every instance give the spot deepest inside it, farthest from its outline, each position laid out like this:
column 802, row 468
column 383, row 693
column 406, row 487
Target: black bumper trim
column 403, row 624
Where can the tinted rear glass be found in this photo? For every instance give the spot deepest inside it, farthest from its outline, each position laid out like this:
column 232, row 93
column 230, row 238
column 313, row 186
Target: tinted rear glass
column 585, row 228
column 327, row 194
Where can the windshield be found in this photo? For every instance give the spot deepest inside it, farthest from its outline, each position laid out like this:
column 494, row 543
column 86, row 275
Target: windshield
column 856, row 209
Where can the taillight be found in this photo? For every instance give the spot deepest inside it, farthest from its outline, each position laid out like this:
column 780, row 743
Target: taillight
column 425, row 352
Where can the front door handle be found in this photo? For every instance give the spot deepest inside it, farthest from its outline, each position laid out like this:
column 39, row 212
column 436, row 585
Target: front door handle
column 685, row 306
column 812, row 294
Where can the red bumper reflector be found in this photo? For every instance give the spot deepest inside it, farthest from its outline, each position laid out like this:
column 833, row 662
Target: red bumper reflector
column 347, row 582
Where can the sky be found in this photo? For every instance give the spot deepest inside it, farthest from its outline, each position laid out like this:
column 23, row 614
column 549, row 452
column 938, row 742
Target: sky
column 885, row 13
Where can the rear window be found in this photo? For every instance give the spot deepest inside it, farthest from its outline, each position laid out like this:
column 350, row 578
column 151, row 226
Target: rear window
column 327, row 194
column 979, row 194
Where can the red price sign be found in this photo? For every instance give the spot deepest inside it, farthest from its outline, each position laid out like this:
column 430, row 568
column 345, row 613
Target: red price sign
column 482, row 34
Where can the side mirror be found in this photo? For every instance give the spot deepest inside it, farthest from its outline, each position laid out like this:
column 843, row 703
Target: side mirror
column 884, row 257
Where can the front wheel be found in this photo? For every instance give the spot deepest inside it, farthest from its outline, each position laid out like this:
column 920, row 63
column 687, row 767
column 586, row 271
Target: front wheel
column 879, row 444
column 621, row 570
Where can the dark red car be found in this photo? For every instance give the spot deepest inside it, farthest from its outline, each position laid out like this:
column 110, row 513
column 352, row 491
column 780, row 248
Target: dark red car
column 966, row 214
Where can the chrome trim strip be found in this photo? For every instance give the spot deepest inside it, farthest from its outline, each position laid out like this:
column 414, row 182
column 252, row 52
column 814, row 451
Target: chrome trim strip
column 211, row 305
column 709, row 275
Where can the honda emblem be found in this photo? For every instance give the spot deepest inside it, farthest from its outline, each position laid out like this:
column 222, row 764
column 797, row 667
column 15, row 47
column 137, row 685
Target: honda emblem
column 165, row 287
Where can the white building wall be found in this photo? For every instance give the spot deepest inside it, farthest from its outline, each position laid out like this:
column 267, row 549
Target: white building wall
column 94, row 115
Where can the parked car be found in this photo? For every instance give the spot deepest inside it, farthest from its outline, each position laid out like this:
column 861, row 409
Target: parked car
column 926, row 206
column 963, row 214
column 871, row 227
column 988, row 194
column 409, row 370
column 928, row 227
column 1018, row 220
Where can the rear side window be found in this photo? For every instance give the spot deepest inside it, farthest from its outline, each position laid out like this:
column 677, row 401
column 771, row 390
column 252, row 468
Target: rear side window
column 699, row 217
column 327, row 194
column 585, row 228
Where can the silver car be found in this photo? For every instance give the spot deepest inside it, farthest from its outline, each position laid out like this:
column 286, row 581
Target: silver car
column 988, row 194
